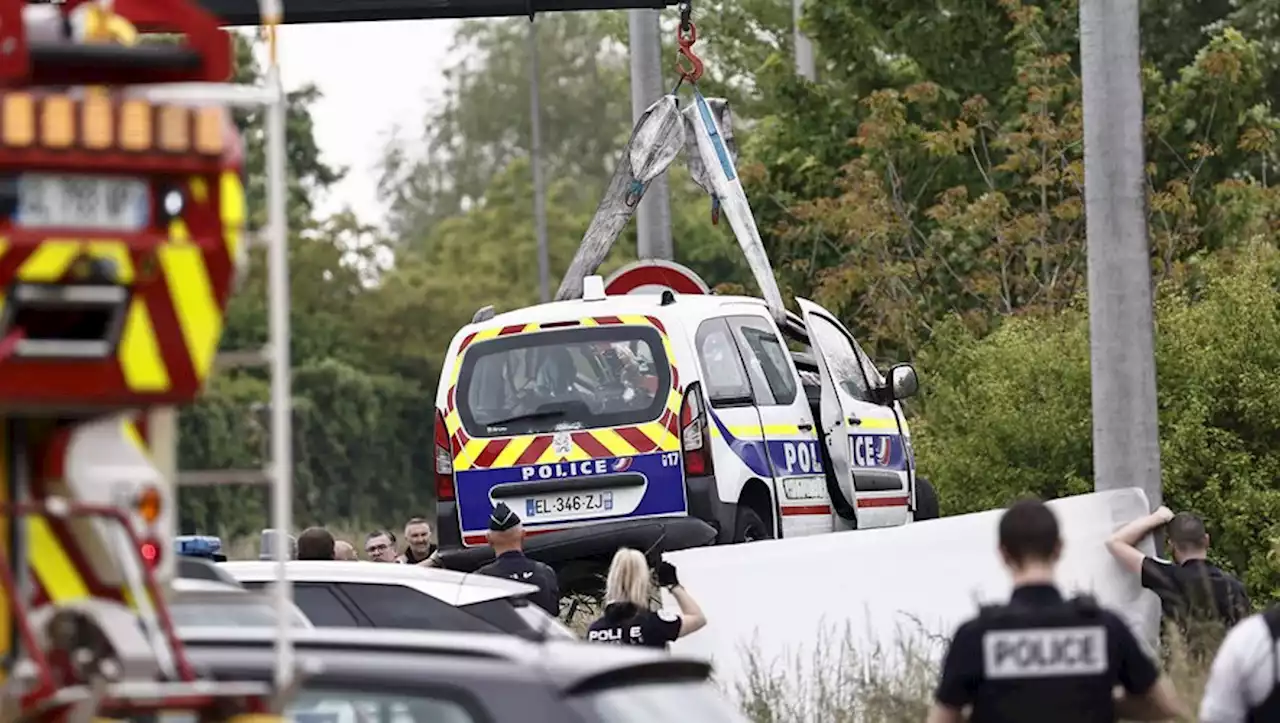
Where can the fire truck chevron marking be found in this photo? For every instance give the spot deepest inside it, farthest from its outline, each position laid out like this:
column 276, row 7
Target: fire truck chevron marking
column 141, row 360
column 193, row 297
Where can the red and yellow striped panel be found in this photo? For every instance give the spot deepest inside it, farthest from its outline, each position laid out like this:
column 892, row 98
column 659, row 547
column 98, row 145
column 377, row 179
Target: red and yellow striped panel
column 662, row 435
column 181, row 285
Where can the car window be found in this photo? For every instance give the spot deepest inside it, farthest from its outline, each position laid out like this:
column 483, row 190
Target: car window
column 397, row 606
column 192, row 611
column 766, row 358
column 874, row 377
column 661, row 701
column 842, row 360
column 578, row 378
column 322, row 606
column 723, row 374
column 331, row 705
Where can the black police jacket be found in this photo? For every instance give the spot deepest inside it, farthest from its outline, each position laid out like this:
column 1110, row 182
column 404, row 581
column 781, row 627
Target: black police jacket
column 513, row 565
column 1044, row 659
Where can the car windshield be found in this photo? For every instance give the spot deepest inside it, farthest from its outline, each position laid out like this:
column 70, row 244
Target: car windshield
column 669, row 700
column 203, row 610
column 584, row 377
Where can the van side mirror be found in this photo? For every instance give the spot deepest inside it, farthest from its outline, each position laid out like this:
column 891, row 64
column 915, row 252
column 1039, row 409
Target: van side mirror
column 903, row 382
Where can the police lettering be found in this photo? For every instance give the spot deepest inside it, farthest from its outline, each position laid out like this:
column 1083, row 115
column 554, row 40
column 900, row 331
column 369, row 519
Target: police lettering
column 565, row 469
column 801, row 457
column 871, row 450
column 614, row 635
column 1045, row 652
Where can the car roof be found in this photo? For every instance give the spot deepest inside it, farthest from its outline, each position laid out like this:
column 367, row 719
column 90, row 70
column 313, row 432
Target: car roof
column 195, row 584
column 684, row 306
column 456, row 588
column 572, row 666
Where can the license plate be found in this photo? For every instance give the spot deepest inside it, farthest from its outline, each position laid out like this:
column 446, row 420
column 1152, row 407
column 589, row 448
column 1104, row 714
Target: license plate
column 575, row 504
column 109, row 203
column 804, row 488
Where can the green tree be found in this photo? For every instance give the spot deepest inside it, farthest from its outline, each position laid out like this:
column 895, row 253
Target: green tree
column 1218, row 344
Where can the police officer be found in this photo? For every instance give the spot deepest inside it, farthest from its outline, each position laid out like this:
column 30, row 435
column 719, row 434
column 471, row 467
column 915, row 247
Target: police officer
column 1040, row 658
column 1191, row 589
column 506, row 537
column 627, row 619
column 1244, row 682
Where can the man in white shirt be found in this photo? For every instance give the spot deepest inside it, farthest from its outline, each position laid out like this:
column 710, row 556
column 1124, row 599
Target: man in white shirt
column 1244, row 682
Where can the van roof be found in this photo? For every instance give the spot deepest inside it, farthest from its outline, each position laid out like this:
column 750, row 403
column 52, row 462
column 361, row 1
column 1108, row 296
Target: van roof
column 650, row 304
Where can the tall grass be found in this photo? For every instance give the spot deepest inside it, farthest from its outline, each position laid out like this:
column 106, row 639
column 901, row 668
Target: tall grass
column 844, row 684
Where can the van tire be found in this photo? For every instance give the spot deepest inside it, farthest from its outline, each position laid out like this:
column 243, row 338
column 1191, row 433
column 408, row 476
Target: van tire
column 749, row 527
column 926, row 501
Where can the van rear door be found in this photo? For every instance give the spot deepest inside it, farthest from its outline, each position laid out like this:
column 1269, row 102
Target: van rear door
column 863, row 438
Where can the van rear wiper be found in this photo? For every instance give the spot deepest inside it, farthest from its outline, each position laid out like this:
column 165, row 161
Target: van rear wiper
column 541, row 414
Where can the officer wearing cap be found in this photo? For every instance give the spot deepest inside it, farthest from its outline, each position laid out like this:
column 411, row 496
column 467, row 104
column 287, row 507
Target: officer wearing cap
column 1043, row 658
column 506, row 537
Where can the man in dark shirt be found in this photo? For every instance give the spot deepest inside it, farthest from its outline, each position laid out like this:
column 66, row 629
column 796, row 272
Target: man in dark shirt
column 506, row 537
column 315, row 543
column 1042, row 658
column 1191, row 589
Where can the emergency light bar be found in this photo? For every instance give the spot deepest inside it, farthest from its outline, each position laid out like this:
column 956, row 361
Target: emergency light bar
column 98, row 122
column 206, row 546
column 247, row 12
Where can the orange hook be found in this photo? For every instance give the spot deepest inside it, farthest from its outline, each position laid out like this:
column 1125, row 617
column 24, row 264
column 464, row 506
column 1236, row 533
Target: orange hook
column 688, row 64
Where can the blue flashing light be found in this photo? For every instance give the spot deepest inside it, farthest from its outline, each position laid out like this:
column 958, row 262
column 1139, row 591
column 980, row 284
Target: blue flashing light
column 206, row 546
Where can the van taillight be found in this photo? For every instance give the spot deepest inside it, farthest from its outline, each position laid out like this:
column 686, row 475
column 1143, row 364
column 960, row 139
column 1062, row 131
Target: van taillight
column 444, row 461
column 694, row 436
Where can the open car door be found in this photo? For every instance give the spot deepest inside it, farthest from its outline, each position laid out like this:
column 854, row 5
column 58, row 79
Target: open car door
column 838, row 412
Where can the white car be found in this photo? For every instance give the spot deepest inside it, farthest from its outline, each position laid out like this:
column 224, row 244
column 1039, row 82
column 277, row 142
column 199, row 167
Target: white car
column 666, row 421
column 196, row 603
column 413, row 597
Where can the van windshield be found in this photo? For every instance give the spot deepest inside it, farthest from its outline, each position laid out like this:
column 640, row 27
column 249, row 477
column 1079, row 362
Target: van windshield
column 567, row 379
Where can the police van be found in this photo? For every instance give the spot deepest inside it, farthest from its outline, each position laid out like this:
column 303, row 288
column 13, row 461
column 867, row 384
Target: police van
column 667, row 420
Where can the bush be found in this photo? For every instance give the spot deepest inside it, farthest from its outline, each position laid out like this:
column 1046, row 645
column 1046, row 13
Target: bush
column 1217, row 347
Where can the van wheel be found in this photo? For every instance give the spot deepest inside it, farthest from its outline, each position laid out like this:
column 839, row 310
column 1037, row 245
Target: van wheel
column 749, row 527
column 926, row 501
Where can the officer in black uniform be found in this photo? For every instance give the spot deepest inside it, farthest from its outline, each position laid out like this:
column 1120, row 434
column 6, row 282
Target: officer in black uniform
column 506, row 537
column 627, row 619
column 1040, row 658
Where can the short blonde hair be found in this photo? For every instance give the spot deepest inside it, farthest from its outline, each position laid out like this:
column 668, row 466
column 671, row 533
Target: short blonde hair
column 628, row 580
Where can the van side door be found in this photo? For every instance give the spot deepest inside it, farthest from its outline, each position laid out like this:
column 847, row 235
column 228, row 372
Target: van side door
column 861, row 433
column 787, row 425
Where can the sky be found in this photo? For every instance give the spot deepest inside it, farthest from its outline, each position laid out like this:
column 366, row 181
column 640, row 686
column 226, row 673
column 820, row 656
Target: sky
column 373, row 76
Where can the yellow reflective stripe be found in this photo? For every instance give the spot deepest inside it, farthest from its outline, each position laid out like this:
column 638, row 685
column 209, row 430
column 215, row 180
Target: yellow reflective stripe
column 140, row 357
column 50, row 261
column 875, row 424
column 232, row 210
column 510, row 453
column 193, row 300
column 453, row 422
column 116, row 252
column 613, row 442
column 57, row 575
column 588, row 321
column 634, row 319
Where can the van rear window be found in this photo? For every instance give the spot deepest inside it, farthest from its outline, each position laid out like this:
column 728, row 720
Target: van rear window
column 581, row 378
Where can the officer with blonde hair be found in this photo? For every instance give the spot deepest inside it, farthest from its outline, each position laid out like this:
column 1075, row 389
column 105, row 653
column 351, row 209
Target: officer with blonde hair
column 627, row 619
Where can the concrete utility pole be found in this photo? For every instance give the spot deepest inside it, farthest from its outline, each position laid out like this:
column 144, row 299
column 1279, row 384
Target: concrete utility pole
column 1126, row 442
column 653, row 217
column 535, row 153
column 805, row 67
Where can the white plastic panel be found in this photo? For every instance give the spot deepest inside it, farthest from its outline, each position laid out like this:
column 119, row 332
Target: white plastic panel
column 780, row 596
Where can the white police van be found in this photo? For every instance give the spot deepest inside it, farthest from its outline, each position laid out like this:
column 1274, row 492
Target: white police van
column 667, row 420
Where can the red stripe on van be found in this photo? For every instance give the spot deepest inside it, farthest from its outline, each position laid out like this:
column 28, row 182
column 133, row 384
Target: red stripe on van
column 490, row 452
column 534, row 450
column 637, row 439
column 806, row 510
column 590, row 445
column 884, row 501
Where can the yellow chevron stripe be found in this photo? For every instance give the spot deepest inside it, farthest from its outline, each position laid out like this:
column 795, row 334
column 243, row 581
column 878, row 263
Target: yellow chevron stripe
column 116, row 252
column 453, row 421
column 232, row 209
column 634, row 319
column 50, row 261
column 588, row 321
column 509, row 454
column 666, row 441
column 139, row 352
column 613, row 442
column 471, row 450
column 576, row 454
column 57, row 575
column 193, row 300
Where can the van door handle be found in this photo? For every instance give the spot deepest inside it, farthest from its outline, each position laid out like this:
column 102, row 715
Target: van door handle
column 854, row 420
column 805, row 427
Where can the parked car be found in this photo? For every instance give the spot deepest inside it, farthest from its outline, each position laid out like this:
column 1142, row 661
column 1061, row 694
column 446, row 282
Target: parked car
column 200, row 568
column 350, row 676
column 197, row 602
column 384, row 595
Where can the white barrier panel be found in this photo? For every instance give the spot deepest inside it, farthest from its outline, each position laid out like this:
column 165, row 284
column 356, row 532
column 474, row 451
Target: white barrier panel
column 780, row 598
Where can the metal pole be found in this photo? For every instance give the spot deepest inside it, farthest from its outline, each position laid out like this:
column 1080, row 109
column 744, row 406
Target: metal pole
column 281, row 394
column 653, row 217
column 805, row 67
column 1126, row 444
column 535, row 153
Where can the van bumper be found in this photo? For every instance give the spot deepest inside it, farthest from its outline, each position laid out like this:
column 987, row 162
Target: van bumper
column 598, row 541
